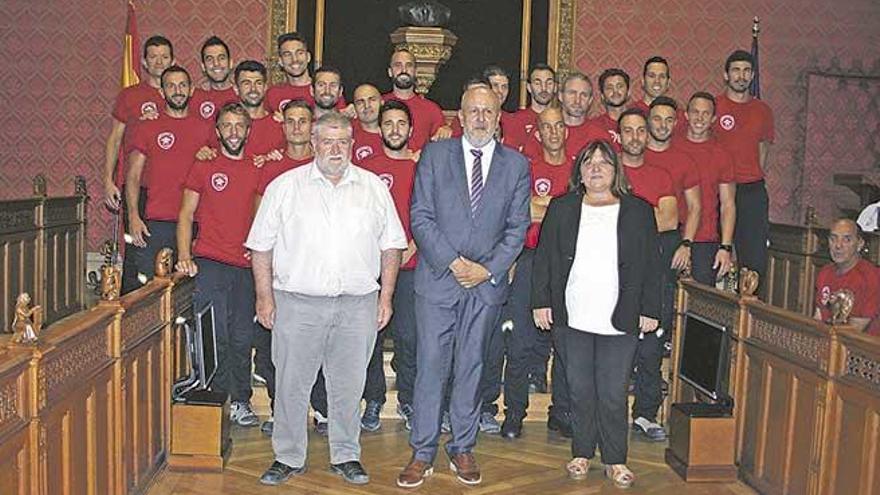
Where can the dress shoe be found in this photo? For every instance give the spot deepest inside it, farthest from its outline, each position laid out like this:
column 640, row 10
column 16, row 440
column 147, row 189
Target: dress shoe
column 414, row 474
column 279, row 472
column 512, row 427
column 352, row 472
column 560, row 424
column 466, row 469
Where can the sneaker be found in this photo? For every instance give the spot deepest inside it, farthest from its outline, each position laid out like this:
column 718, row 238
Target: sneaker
column 268, row 426
column 649, row 429
column 370, row 420
column 242, row 414
column 405, row 411
column 320, row 424
column 278, row 473
column 488, row 423
column 446, row 423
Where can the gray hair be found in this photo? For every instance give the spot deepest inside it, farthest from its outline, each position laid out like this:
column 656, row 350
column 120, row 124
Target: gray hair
column 332, row 119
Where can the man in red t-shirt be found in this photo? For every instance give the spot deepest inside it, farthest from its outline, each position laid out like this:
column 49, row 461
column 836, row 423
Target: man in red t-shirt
column 163, row 150
column 528, row 348
column 217, row 90
column 745, row 128
column 709, row 259
column 293, row 58
column 265, row 132
column 654, row 185
column 849, row 272
column 367, row 136
column 614, row 88
column 428, row 123
column 541, row 88
column 219, row 195
column 655, row 83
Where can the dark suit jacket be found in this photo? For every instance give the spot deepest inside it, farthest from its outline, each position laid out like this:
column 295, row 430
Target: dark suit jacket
column 443, row 228
column 638, row 260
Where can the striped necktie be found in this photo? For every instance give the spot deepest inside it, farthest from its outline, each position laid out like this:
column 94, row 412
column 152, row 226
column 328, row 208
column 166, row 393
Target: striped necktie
column 476, row 180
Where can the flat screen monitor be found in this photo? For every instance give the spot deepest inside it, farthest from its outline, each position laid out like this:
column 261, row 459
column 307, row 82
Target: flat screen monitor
column 205, row 346
column 704, row 356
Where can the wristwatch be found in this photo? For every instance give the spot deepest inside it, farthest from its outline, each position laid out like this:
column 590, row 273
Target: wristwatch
column 686, row 243
column 726, row 247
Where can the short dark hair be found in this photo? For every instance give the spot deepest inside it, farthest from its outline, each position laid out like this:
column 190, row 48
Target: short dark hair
column 619, row 184
column 631, row 111
column 739, row 56
column 395, row 105
column 614, row 71
column 213, row 41
column 249, row 66
column 664, row 101
column 656, row 59
column 174, row 69
column 704, row 95
column 157, row 40
column 327, row 68
column 233, row 107
column 298, row 103
column 541, row 66
column 495, row 70
column 291, row 36
column 475, row 80
column 402, row 50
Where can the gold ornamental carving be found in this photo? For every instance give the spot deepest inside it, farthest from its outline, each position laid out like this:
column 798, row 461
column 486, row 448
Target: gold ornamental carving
column 864, row 369
column 27, row 322
column 748, row 282
column 841, row 303
column 66, row 366
column 431, row 47
column 163, row 263
column 110, row 283
column 794, row 342
column 39, row 184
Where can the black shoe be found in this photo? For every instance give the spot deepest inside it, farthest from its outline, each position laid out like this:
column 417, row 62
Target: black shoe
column 537, row 384
column 560, row 424
column 279, row 472
column 352, row 472
column 512, row 427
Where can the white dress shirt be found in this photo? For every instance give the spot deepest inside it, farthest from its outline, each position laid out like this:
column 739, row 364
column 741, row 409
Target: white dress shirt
column 326, row 240
column 485, row 161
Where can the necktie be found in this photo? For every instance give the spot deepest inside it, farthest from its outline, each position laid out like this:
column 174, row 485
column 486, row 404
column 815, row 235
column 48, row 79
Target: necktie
column 476, row 180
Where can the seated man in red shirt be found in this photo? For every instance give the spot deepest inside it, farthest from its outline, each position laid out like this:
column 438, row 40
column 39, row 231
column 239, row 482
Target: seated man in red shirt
column 849, row 271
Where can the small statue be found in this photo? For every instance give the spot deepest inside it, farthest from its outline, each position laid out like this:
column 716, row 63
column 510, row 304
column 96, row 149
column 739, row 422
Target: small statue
column 40, row 185
column 109, row 283
column 748, row 282
column 28, row 321
column 163, row 262
column 79, row 186
column 425, row 13
column 841, row 304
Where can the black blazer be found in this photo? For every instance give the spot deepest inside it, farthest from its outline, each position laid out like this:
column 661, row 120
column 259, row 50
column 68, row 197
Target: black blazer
column 638, row 260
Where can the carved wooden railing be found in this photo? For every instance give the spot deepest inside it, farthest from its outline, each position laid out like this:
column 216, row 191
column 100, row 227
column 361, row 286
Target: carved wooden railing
column 806, row 395
column 42, row 246
column 87, row 407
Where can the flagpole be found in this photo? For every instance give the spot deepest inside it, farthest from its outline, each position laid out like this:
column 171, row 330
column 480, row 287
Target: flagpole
column 755, row 86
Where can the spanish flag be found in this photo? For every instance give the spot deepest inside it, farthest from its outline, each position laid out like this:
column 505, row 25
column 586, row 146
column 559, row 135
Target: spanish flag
column 131, row 67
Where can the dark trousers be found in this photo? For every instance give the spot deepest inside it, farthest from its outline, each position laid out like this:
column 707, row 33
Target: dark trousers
column 752, row 227
column 162, row 235
column 702, row 259
column 403, row 331
column 132, row 254
column 649, row 355
column 598, row 369
column 263, row 365
column 458, row 330
column 490, row 378
column 231, row 289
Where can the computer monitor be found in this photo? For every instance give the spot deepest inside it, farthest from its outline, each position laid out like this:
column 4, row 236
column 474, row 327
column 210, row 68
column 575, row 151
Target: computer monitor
column 704, row 356
column 205, row 355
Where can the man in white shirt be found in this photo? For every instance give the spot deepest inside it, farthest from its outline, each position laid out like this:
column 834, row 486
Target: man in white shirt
column 323, row 235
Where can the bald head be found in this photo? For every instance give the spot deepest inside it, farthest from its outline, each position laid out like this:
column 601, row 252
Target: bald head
column 479, row 115
column 844, row 243
column 367, row 101
column 551, row 129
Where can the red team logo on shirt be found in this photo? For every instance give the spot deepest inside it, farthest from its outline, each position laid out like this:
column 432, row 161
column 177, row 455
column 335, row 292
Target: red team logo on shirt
column 165, row 140
column 282, row 103
column 615, row 137
column 363, row 152
column 388, row 179
column 219, row 181
column 826, row 295
column 542, row 186
column 206, row 109
column 149, row 107
column 727, row 122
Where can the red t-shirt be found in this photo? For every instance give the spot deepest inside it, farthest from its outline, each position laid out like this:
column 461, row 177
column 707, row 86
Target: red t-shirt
column 578, row 137
column 609, row 125
column 863, row 280
column 366, row 144
column 681, row 169
column 226, row 190
column 427, row 117
column 277, row 96
column 272, row 169
column 131, row 104
column 739, row 128
column 649, row 183
column 266, row 134
column 547, row 180
column 521, row 125
column 716, row 167
column 170, row 146
column 398, row 175
column 208, row 102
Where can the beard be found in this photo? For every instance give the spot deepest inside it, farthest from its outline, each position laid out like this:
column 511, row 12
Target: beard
column 391, row 146
column 234, row 150
column 661, row 139
column 403, row 81
column 177, row 106
column 543, row 97
column 634, row 149
column 326, row 103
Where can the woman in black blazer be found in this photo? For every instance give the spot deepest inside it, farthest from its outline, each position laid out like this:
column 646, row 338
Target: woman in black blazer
column 596, row 283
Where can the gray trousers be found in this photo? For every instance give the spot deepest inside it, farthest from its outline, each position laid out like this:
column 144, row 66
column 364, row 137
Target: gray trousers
column 338, row 334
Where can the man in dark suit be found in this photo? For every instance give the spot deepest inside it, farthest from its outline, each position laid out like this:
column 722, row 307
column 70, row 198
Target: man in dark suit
column 469, row 214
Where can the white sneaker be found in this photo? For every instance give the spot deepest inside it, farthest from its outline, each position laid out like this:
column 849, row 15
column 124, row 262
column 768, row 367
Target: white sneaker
column 242, row 414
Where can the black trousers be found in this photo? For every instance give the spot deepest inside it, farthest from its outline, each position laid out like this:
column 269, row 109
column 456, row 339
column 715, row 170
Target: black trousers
column 649, row 353
column 702, row 259
column 263, row 365
column 162, row 235
column 403, row 331
column 598, row 369
column 133, row 254
column 752, row 227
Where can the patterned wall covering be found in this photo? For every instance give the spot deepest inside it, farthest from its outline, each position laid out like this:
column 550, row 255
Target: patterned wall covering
column 798, row 36
column 61, row 74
